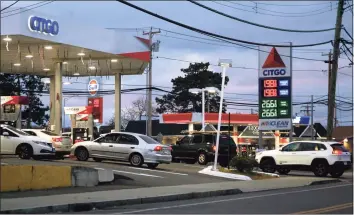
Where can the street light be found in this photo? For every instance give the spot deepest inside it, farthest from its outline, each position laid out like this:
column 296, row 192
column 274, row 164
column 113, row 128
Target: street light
column 203, row 90
column 224, row 63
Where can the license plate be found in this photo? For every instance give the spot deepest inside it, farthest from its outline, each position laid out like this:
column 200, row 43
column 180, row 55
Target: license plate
column 166, row 152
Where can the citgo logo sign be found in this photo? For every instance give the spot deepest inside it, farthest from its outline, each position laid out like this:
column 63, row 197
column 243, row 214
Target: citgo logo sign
column 41, row 25
column 93, row 87
column 274, row 72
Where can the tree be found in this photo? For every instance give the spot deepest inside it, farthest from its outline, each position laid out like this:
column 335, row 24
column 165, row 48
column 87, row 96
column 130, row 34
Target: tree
column 30, row 86
column 137, row 109
column 180, row 100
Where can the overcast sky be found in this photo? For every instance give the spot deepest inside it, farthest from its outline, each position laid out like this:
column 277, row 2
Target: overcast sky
column 243, row 82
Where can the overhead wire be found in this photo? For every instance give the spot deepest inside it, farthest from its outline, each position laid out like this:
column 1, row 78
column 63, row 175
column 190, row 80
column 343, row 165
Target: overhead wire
column 287, row 5
column 213, row 34
column 9, row 6
column 22, row 11
column 259, row 25
column 268, row 14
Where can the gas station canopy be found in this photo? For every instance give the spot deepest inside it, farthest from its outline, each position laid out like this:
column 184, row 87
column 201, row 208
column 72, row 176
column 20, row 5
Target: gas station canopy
column 33, row 42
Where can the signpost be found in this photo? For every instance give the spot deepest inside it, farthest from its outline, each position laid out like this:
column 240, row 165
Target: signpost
column 275, row 103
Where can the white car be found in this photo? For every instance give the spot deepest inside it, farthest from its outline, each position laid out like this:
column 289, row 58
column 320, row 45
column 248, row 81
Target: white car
column 138, row 149
column 16, row 142
column 319, row 157
column 62, row 144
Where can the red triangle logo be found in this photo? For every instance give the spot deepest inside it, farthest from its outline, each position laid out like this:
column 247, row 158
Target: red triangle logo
column 273, row 60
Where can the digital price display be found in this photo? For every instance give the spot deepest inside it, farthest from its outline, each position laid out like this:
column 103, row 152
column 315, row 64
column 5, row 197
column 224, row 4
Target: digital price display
column 275, row 98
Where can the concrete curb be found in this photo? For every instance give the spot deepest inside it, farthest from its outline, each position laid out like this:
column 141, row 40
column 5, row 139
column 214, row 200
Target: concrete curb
column 329, row 181
column 81, row 207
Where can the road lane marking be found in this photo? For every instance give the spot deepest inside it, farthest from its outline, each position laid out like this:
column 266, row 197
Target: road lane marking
column 175, row 173
column 134, row 173
column 235, row 199
column 327, row 209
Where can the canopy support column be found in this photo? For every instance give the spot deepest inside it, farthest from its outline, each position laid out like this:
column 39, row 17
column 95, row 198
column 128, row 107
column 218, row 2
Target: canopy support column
column 58, row 97
column 117, row 102
column 52, row 101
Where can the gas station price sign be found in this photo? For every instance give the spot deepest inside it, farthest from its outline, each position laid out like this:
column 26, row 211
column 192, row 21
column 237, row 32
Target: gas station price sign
column 275, row 98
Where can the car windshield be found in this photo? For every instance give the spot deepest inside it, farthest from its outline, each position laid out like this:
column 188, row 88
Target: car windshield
column 149, row 140
column 49, row 133
column 15, row 130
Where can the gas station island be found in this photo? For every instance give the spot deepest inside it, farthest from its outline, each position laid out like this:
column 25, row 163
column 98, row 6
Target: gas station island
column 35, row 43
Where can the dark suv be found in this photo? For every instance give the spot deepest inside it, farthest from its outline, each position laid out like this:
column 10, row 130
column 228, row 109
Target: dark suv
column 201, row 148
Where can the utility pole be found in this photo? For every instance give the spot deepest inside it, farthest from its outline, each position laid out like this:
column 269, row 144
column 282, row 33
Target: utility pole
column 149, row 108
column 329, row 69
column 312, row 134
column 333, row 81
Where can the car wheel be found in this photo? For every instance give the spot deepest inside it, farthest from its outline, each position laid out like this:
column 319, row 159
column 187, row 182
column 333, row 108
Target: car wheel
column 152, row 165
column 136, row 160
column 25, row 152
column 202, row 158
column 320, row 168
column 283, row 170
column 336, row 173
column 268, row 165
column 97, row 159
column 82, row 154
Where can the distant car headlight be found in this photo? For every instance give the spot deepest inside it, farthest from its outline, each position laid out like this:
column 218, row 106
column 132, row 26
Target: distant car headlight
column 41, row 143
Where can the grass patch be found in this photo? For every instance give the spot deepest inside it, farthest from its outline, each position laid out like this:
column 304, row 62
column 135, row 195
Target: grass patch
column 252, row 175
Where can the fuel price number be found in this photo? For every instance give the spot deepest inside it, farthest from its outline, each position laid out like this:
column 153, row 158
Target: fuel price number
column 270, row 88
column 269, row 108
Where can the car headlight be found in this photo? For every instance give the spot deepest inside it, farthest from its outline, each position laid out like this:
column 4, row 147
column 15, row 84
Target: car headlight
column 41, row 143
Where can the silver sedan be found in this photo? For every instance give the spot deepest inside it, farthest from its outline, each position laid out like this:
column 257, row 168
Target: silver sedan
column 138, row 149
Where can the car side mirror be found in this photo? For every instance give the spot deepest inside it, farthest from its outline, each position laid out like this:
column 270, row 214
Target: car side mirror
column 5, row 133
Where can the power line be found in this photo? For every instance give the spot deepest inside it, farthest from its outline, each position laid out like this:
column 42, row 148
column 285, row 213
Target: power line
column 44, row 3
column 268, row 14
column 22, row 8
column 289, row 5
column 248, row 68
column 256, row 24
column 212, row 34
column 9, row 6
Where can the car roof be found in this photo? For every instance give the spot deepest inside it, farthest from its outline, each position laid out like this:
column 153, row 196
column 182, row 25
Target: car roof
column 122, row 132
column 315, row 141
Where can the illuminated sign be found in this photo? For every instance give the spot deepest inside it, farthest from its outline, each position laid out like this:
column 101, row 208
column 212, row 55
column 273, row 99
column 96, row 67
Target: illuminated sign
column 44, row 26
column 274, row 94
column 93, row 87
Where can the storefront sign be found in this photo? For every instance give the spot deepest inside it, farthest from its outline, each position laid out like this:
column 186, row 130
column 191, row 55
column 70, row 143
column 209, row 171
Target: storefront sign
column 97, row 108
column 44, row 26
column 78, row 110
column 274, row 92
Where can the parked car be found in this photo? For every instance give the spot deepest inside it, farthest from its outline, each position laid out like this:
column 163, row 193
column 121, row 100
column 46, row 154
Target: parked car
column 135, row 148
column 319, row 157
column 62, row 144
column 201, row 148
column 16, row 142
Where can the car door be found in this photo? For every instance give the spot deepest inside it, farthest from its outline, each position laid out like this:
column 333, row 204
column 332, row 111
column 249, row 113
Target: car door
column 126, row 145
column 9, row 142
column 104, row 146
column 179, row 150
column 307, row 153
column 287, row 156
column 194, row 145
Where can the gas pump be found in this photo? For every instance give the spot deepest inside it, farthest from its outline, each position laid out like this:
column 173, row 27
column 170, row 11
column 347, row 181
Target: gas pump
column 81, row 123
column 10, row 110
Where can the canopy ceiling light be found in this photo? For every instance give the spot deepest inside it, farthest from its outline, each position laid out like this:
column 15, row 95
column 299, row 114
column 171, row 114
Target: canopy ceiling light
column 7, row 39
column 17, row 64
column 92, row 67
column 65, row 62
column 48, row 47
column 76, row 73
column 114, row 60
column 81, row 54
column 29, row 56
column 46, row 69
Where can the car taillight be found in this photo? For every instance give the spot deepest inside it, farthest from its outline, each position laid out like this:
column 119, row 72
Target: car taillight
column 57, row 139
column 336, row 152
column 158, row 148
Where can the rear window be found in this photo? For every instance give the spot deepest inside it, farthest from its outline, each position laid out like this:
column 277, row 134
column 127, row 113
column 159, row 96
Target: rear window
column 149, row 140
column 339, row 147
column 50, row 133
column 225, row 140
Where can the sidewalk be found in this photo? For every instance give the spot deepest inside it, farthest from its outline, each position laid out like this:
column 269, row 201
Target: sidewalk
column 104, row 199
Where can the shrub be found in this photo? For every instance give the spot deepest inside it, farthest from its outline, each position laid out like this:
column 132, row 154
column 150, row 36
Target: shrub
column 243, row 164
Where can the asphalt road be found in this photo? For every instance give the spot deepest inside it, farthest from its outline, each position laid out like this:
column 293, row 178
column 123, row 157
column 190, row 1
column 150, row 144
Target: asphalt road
column 324, row 199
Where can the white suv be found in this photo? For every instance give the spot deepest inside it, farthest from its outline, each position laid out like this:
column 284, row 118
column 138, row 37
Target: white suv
column 319, row 157
column 16, row 142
